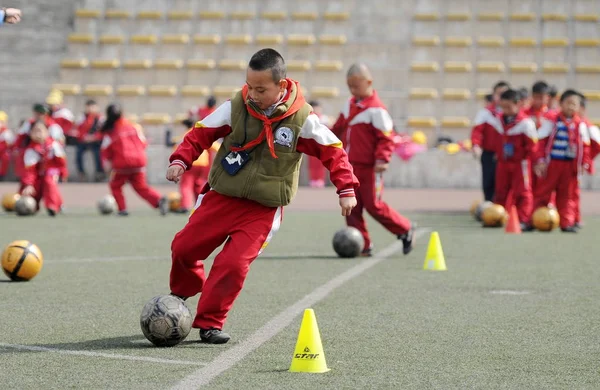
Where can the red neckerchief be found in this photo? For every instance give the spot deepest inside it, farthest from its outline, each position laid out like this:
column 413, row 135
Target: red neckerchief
column 267, row 131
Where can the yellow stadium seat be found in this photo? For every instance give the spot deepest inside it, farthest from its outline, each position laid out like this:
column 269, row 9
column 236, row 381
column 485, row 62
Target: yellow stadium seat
column 458, row 41
column 458, row 16
column 426, row 41
column 457, row 66
column 156, row 119
column 225, row 91
column 232, row 65
column 238, row 39
column 81, row 38
column 329, row 66
column 194, row 91
column 150, row 15
column 554, row 17
column 98, row 90
column 426, row 16
column 301, row 39
column 324, row 92
column 78, row 63
column 587, row 69
column 168, row 64
column 112, row 39
column 587, row 42
column 423, row 93
column 455, row 122
column 298, row 65
column 212, row 15
column 207, row 39
column 336, row 16
column 203, row 64
column 329, row 39
column 173, row 39
column 523, row 17
column 304, row 15
column 523, row 42
column 242, row 15
column 274, row 15
column 593, row 18
column 591, row 95
column 131, row 90
column 490, row 16
column 490, row 67
column 117, row 14
column 137, row 64
column 425, row 67
column 180, row 15
column 143, row 39
column 548, row 67
column 456, row 94
column 418, row 122
column 67, row 89
column 162, row 90
column 524, row 67
column 83, row 13
column 105, row 64
column 555, row 42
column 269, row 39
column 490, row 41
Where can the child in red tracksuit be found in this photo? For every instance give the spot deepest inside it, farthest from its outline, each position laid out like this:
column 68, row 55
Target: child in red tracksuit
column 192, row 182
column 125, row 148
column 366, row 129
column 44, row 161
column 562, row 153
column 266, row 128
column 484, row 137
column 518, row 143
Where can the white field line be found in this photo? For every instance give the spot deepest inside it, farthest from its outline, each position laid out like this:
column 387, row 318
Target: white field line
column 235, row 354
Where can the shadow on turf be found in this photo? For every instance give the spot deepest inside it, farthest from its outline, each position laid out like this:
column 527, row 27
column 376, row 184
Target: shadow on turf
column 125, row 342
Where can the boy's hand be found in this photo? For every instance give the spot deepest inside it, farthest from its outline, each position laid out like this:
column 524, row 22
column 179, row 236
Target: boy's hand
column 477, row 151
column 347, row 204
column 381, row 167
column 12, row 15
column 540, row 169
column 174, row 172
column 28, row 191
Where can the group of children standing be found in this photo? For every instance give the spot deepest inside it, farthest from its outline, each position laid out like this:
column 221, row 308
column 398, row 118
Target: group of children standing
column 533, row 155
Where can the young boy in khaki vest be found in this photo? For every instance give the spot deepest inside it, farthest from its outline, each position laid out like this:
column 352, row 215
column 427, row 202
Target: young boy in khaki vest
column 265, row 129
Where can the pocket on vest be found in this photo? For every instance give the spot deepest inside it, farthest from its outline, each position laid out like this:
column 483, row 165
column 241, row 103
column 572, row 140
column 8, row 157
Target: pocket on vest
column 268, row 190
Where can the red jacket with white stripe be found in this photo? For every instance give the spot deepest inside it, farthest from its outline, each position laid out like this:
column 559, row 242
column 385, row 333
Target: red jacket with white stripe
column 518, row 139
column 594, row 145
column 125, row 147
column 65, row 119
column 315, row 140
column 47, row 159
column 485, row 133
column 366, row 128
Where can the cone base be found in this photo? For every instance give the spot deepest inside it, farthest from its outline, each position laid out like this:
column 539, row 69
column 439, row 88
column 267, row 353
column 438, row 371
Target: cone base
column 311, row 371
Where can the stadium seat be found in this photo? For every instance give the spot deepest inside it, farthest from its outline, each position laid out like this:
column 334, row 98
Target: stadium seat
column 336, row 22
column 488, row 73
column 101, row 93
column 71, row 94
column 327, row 73
column 104, row 71
column 141, row 46
column 191, row 96
column 458, row 49
column 168, row 72
column 587, row 76
column 586, row 51
column 523, row 49
column 522, row 73
column 523, row 24
column 201, row 72
column 275, row 41
column 241, row 22
column 301, row 46
column 593, row 100
column 332, row 46
column 162, row 98
column 110, row 46
column 458, row 74
column 174, row 46
column 116, row 22
column 424, row 74
column 86, row 20
column 456, row 101
column 274, row 22
column 73, row 71
column 238, row 46
column 420, row 122
column 80, row 45
column 132, row 97
column 426, row 24
column 554, row 49
column 426, row 48
column 180, row 22
column 210, row 22
column 154, row 126
column 205, row 46
column 231, row 72
column 299, row 70
column 136, row 72
column 422, row 102
column 149, row 22
column 490, row 48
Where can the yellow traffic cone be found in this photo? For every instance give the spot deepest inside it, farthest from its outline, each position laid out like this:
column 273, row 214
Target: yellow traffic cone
column 308, row 355
column 434, row 260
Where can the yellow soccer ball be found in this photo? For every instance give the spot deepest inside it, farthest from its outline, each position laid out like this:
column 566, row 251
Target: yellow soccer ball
column 9, row 201
column 22, row 260
column 494, row 216
column 174, row 199
column 545, row 219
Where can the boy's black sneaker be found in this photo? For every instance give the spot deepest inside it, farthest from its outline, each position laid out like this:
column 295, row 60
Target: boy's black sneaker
column 367, row 252
column 179, row 296
column 408, row 240
column 214, row 336
column 569, row 229
column 526, row 228
column 123, row 213
column 578, row 225
column 51, row 213
column 163, row 206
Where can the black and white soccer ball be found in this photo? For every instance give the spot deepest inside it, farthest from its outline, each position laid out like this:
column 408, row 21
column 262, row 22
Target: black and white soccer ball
column 348, row 242
column 166, row 321
column 107, row 205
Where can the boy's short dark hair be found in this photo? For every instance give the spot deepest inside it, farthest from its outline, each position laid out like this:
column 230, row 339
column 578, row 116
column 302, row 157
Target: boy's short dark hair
column 511, row 95
column 583, row 99
column 523, row 93
column 552, row 91
column 314, row 103
column 90, row 102
column 211, row 102
column 489, row 98
column 501, row 84
column 568, row 93
column 540, row 87
column 266, row 59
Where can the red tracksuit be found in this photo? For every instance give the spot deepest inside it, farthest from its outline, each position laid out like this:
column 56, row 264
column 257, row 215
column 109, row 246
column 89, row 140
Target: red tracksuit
column 366, row 129
column 125, row 148
column 55, row 131
column 485, row 134
column 43, row 164
column 536, row 115
column 564, row 146
column 65, row 119
column 244, row 225
column 6, row 141
column 518, row 144
column 193, row 180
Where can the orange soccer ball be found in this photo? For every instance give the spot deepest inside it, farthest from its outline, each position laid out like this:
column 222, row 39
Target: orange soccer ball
column 545, row 219
column 174, row 199
column 494, row 216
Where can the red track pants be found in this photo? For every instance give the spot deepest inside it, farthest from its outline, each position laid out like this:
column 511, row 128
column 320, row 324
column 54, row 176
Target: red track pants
column 191, row 183
column 46, row 189
column 139, row 184
column 562, row 178
column 245, row 226
column 5, row 156
column 513, row 177
column 368, row 197
column 316, row 172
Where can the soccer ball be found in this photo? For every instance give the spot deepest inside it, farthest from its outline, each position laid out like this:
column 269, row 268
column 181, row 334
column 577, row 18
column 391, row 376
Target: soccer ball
column 494, row 216
column 22, row 260
column 545, row 219
column 474, row 207
column 479, row 210
column 348, row 242
column 9, row 201
column 26, row 205
column 107, row 205
column 174, row 199
column 166, row 321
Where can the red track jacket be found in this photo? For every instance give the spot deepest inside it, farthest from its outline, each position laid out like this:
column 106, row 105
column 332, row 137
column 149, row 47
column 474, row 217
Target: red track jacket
column 485, row 133
column 518, row 140
column 366, row 129
column 43, row 159
column 124, row 147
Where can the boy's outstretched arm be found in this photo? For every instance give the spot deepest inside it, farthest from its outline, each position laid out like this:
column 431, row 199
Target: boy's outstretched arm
column 198, row 139
column 318, row 141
